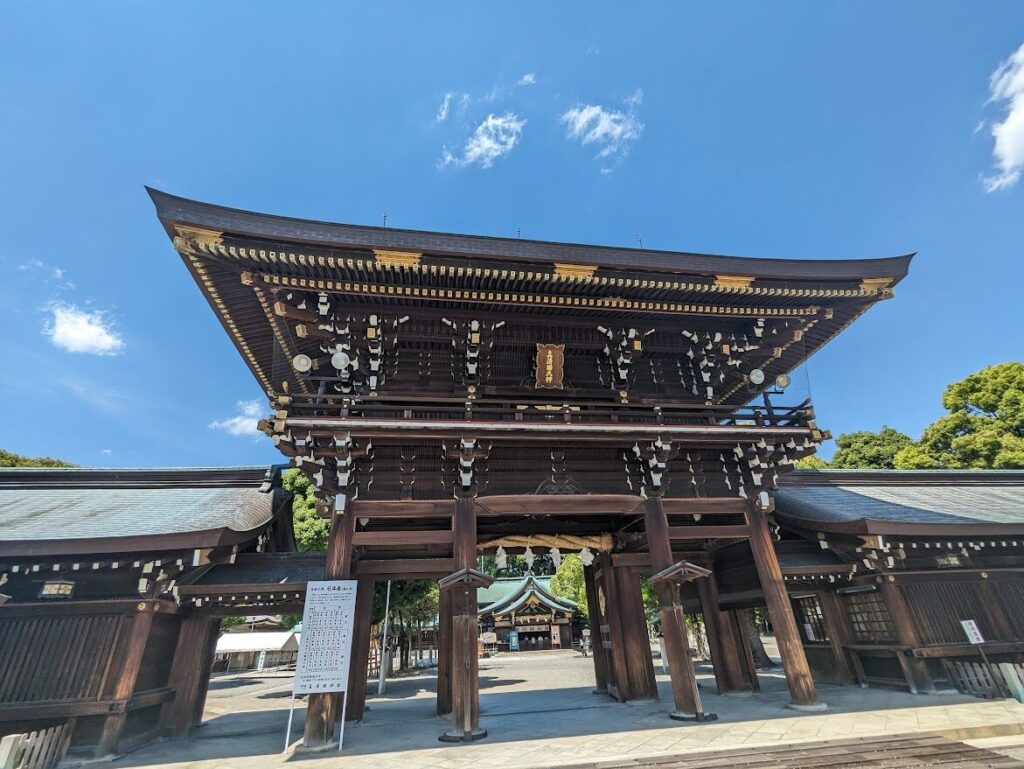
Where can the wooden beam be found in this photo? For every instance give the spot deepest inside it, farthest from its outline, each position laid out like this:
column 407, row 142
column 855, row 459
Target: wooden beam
column 559, row 504
column 708, row 532
column 837, row 627
column 431, row 537
column 433, row 508
column 406, row 568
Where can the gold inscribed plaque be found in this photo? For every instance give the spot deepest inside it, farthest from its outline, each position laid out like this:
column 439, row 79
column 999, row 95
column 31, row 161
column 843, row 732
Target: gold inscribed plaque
column 550, row 366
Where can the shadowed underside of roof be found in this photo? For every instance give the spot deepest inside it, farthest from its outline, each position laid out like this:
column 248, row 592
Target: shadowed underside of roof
column 884, row 501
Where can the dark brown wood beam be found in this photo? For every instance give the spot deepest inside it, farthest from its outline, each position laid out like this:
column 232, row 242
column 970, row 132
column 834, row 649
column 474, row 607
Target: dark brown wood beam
column 391, row 538
column 708, row 532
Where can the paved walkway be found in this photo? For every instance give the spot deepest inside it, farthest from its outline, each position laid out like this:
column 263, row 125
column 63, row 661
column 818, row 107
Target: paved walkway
column 540, row 712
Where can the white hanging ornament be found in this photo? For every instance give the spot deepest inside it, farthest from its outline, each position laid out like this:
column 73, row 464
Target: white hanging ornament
column 500, row 558
column 529, row 556
column 556, row 557
column 587, row 556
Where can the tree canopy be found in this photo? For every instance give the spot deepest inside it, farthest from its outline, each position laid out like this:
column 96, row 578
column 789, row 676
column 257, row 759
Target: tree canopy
column 983, row 429
column 568, row 581
column 10, row 459
column 868, row 450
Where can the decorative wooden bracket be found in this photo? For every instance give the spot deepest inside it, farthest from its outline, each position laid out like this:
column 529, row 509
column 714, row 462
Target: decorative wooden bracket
column 680, row 572
column 466, row 578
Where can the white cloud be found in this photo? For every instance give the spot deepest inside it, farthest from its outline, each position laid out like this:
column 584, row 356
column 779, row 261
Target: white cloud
column 446, row 105
column 242, row 423
column 85, row 331
column 1006, row 86
column 611, row 131
column 528, row 79
column 495, row 137
column 106, row 452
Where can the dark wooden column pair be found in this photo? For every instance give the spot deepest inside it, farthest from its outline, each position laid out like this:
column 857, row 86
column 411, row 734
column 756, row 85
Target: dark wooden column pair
column 726, row 643
column 461, row 587
column 840, row 635
column 629, row 671
column 803, row 694
column 190, row 674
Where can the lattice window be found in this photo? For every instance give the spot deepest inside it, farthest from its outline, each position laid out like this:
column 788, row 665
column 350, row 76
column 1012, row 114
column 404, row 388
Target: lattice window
column 869, row 618
column 811, row 618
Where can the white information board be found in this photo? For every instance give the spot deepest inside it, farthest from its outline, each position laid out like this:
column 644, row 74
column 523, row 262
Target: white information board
column 325, row 645
column 971, row 630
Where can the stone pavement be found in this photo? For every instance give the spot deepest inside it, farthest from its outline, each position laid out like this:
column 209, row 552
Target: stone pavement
column 540, row 712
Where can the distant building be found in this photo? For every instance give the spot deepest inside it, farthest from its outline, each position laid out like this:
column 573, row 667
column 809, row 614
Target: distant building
column 526, row 616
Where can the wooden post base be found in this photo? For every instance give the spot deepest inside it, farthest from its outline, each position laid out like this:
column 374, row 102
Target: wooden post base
column 679, row 716
column 460, row 735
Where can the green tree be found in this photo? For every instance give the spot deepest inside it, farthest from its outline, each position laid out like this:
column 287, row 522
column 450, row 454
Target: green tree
column 568, row 581
column 868, row 450
column 10, row 459
column 983, row 429
column 811, row 462
column 310, row 529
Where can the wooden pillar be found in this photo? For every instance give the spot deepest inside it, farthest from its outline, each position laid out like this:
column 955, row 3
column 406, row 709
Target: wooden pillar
column 190, row 673
column 636, row 642
column 322, row 709
column 802, row 693
column 613, row 641
column 914, row 670
column 130, row 651
column 596, row 647
column 839, row 633
column 748, row 670
column 726, row 656
column 465, row 661
column 360, row 650
column 204, row 679
column 444, row 654
column 688, row 705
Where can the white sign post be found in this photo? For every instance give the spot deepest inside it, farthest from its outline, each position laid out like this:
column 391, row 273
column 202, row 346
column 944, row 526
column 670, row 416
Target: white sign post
column 974, row 635
column 325, row 645
column 972, row 632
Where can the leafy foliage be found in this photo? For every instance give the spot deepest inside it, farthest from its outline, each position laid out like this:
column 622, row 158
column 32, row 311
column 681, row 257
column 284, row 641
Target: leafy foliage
column 868, row 450
column 515, row 565
column 568, row 581
column 811, row 462
column 10, row 459
column 983, row 429
column 310, row 529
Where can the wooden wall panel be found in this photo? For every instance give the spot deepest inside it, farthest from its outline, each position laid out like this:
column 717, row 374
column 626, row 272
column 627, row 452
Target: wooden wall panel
column 56, row 657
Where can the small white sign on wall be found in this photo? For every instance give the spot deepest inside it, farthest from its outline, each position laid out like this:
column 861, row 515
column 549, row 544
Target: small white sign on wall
column 971, row 630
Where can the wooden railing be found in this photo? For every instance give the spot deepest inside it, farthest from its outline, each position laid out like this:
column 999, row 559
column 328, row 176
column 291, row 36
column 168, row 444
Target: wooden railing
column 993, row 680
column 42, row 749
column 548, row 408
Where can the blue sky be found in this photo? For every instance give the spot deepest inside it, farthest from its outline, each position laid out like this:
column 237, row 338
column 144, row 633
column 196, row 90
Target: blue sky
column 803, row 130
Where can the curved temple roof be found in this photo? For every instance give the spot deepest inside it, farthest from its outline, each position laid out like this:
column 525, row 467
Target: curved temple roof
column 63, row 510
column 173, row 210
column 505, row 596
column 247, row 264
column 922, row 502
